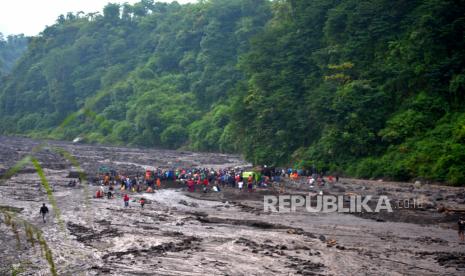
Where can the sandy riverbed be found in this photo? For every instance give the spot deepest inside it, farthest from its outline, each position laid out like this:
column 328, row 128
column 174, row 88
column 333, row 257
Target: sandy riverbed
column 225, row 233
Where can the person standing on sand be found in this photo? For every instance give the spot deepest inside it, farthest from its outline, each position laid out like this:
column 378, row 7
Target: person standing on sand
column 250, row 183
column 126, row 200
column 191, row 185
column 43, row 211
column 240, row 184
column 205, row 184
column 461, row 228
column 158, row 183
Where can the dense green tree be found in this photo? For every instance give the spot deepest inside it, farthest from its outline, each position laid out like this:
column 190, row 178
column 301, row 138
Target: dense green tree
column 11, row 49
column 370, row 88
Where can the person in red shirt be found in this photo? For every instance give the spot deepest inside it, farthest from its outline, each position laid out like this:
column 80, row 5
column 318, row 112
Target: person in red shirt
column 126, row 200
column 190, row 185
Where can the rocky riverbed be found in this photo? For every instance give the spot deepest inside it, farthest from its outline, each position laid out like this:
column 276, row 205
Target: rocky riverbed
column 225, row 233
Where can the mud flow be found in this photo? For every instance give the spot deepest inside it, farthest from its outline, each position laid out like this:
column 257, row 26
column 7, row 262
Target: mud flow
column 218, row 233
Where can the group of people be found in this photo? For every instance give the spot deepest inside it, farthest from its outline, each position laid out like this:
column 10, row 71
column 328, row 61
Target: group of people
column 194, row 179
column 202, row 179
column 319, row 180
column 207, row 180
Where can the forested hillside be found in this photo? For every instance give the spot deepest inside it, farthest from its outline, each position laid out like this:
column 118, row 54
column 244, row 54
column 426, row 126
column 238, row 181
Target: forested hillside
column 11, row 49
column 368, row 88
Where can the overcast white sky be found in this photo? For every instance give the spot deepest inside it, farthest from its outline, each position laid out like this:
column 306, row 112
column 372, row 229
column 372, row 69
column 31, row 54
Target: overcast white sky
column 31, row 16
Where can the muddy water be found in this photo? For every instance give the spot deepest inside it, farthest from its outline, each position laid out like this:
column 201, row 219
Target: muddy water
column 176, row 234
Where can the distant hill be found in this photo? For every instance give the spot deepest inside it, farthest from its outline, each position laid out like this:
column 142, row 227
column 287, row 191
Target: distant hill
column 365, row 88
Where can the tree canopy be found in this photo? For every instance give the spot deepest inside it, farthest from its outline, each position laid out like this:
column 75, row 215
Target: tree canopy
column 11, row 48
column 366, row 88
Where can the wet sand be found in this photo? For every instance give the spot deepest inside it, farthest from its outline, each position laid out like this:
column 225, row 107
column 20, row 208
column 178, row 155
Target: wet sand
column 226, row 233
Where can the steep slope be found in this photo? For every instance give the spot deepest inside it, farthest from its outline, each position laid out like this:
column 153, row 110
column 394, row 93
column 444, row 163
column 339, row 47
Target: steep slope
column 367, row 88
column 11, row 50
column 371, row 88
column 149, row 70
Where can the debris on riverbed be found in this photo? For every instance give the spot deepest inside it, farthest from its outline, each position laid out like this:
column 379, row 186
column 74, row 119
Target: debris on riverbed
column 222, row 233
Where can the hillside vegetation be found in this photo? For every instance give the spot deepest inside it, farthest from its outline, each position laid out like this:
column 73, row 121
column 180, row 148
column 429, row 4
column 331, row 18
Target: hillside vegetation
column 11, row 49
column 368, row 88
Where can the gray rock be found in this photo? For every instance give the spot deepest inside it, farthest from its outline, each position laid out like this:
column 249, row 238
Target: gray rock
column 438, row 197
